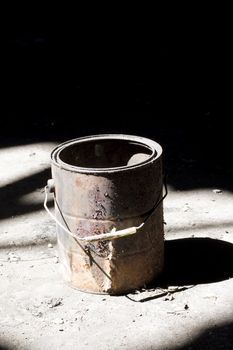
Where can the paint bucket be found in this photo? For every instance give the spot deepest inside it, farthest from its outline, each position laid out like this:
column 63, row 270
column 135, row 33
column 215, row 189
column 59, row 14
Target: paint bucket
column 109, row 211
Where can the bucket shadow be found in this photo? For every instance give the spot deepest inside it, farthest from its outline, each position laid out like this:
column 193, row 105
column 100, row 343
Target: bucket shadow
column 188, row 262
column 193, row 261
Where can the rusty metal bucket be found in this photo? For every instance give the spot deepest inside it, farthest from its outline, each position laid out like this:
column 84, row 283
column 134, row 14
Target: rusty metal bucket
column 109, row 212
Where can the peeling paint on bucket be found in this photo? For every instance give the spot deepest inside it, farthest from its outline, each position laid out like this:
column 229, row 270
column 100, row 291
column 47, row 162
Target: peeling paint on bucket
column 105, row 183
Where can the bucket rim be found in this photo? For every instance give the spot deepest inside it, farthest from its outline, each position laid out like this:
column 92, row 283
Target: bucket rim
column 154, row 146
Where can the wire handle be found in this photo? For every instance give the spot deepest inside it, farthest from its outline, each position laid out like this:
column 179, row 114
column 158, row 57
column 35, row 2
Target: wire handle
column 101, row 237
column 50, row 188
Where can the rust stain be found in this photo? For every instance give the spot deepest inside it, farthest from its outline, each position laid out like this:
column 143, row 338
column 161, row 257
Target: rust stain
column 95, row 201
column 78, row 181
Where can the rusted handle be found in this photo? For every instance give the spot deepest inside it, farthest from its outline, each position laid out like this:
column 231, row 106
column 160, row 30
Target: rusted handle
column 50, row 188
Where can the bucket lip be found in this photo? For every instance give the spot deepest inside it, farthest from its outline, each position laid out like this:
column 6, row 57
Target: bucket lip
column 153, row 145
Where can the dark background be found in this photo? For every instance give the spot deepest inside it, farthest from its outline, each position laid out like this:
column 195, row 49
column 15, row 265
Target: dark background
column 145, row 75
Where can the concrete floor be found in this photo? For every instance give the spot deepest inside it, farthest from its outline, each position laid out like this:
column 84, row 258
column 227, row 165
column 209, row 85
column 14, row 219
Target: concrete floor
column 38, row 311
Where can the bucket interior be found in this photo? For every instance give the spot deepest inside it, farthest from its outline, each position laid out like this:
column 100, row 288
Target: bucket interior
column 105, row 153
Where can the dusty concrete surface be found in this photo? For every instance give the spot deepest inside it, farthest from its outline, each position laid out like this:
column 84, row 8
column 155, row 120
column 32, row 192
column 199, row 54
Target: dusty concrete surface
column 191, row 307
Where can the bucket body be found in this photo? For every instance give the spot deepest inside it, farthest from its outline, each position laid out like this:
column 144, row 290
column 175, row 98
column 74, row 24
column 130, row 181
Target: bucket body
column 103, row 183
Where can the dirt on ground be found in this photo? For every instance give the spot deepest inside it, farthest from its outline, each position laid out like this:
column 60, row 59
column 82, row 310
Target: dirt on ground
column 190, row 307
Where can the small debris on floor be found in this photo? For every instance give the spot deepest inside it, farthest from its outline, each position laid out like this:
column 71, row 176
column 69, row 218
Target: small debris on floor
column 218, row 191
column 53, row 302
column 50, row 245
column 58, row 321
column 186, row 207
column 210, row 297
column 186, row 307
column 173, row 289
column 169, row 297
column 12, row 257
column 36, row 313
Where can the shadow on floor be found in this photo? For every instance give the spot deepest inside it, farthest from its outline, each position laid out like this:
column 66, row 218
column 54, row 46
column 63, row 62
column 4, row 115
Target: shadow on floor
column 213, row 338
column 5, row 347
column 195, row 155
column 191, row 261
column 10, row 194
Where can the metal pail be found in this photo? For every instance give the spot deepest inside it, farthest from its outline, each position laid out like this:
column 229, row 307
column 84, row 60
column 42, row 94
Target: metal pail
column 109, row 211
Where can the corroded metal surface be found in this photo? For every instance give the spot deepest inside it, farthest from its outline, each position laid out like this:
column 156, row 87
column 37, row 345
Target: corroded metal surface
column 96, row 200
